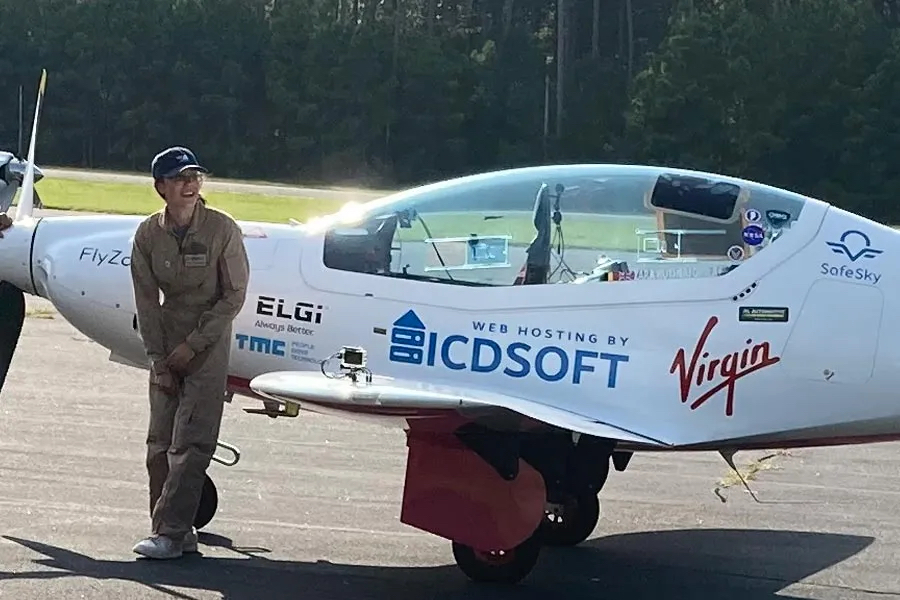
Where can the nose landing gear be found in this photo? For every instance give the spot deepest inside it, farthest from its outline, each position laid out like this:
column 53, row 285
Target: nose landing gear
column 209, row 496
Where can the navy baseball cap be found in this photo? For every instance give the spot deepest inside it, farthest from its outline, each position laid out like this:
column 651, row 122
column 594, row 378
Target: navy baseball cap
column 172, row 161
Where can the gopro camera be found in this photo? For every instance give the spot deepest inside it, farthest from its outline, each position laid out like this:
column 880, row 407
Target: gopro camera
column 353, row 358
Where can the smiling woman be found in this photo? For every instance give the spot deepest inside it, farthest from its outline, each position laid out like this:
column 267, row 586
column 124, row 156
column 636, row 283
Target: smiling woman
column 195, row 256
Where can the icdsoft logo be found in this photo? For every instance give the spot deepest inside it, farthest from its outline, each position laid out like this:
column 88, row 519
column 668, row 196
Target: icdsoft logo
column 412, row 343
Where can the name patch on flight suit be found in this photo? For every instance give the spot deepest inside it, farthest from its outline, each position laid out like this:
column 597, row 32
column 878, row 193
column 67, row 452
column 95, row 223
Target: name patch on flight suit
column 196, row 255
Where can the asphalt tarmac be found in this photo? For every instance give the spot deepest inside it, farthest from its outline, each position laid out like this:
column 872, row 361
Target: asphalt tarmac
column 312, row 509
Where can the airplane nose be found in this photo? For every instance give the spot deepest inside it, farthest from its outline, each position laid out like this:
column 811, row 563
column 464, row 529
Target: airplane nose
column 15, row 254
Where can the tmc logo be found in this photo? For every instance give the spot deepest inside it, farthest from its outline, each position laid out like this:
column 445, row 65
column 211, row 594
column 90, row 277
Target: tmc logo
column 261, row 345
column 855, row 245
column 412, row 343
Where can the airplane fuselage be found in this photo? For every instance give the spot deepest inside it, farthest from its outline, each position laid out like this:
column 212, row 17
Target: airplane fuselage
column 792, row 347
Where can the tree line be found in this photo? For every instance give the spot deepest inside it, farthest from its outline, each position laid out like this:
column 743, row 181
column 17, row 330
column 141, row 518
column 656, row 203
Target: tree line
column 797, row 93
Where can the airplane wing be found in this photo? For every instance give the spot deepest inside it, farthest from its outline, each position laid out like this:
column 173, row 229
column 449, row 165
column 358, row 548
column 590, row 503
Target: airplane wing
column 297, row 387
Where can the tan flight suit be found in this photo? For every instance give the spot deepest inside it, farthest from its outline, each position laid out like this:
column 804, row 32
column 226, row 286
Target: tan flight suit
column 204, row 281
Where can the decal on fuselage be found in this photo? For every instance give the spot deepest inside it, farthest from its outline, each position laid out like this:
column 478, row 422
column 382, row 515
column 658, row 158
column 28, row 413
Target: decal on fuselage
column 412, row 343
column 722, row 371
column 283, row 316
column 853, row 245
column 270, row 346
column 100, row 257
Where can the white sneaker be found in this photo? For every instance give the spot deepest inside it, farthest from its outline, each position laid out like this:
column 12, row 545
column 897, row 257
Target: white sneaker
column 189, row 544
column 159, row 547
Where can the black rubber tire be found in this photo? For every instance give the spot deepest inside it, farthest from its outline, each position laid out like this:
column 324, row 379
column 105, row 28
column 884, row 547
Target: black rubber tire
column 12, row 317
column 580, row 516
column 209, row 502
column 509, row 568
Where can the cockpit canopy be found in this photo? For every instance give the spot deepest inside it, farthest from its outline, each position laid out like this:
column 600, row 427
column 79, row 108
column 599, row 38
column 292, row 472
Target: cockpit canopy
column 562, row 224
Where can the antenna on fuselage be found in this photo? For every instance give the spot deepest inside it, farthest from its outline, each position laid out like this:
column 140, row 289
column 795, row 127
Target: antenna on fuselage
column 21, row 118
column 728, row 455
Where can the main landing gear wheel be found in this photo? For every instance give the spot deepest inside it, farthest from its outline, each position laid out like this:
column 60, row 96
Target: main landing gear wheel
column 209, row 502
column 571, row 520
column 502, row 566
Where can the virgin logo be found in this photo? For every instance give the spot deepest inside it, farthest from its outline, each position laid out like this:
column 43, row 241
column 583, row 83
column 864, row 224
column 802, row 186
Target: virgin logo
column 723, row 371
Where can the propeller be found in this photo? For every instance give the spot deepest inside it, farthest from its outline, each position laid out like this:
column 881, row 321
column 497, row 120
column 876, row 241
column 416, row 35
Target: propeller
column 26, row 198
column 12, row 174
column 17, row 174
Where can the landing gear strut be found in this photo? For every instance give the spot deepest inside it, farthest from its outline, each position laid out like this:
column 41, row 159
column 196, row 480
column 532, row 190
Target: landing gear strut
column 209, row 496
column 575, row 473
column 571, row 520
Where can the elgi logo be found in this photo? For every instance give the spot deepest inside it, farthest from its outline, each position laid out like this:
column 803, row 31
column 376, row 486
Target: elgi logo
column 855, row 245
column 412, row 343
column 301, row 311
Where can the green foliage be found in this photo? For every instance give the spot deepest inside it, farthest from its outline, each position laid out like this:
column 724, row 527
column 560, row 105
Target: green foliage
column 797, row 93
column 344, row 91
column 780, row 91
column 135, row 199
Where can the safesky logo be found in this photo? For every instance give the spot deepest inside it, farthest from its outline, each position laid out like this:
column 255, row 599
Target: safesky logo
column 412, row 343
column 854, row 245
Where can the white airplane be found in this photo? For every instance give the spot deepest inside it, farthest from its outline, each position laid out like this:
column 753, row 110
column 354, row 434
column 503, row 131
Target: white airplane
column 678, row 311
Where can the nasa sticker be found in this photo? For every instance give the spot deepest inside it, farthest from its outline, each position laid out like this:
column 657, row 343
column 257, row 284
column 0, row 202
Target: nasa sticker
column 753, row 235
column 736, row 253
column 752, row 215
